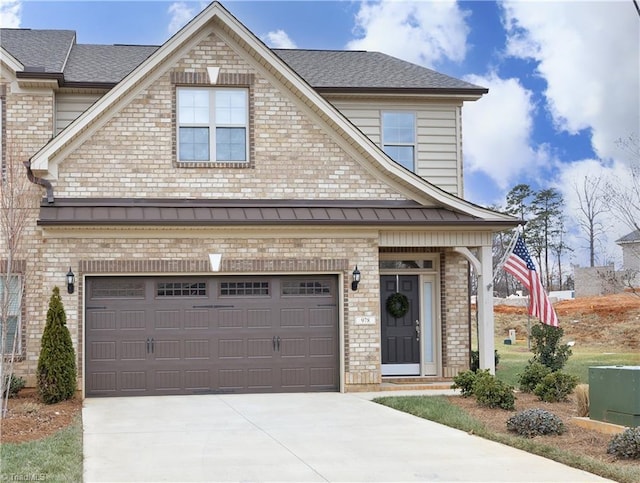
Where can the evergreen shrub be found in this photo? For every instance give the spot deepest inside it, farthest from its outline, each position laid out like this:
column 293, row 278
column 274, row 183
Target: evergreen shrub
column 56, row 372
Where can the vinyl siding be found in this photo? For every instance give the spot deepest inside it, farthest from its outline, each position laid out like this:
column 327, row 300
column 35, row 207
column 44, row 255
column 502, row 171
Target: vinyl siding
column 438, row 154
column 70, row 106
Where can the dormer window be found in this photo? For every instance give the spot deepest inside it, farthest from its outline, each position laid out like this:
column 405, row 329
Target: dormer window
column 212, row 124
column 399, row 137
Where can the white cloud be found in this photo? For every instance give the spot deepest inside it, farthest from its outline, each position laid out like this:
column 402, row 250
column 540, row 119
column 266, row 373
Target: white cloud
column 497, row 131
column 10, row 13
column 278, row 39
column 420, row 32
column 181, row 14
column 589, row 55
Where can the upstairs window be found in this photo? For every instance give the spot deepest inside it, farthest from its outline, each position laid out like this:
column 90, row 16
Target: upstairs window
column 399, row 137
column 212, row 125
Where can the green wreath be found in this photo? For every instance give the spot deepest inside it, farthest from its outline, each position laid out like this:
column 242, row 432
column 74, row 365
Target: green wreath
column 397, row 305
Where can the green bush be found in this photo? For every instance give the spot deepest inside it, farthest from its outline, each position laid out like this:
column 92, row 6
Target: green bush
column 535, row 422
column 492, row 392
column 14, row 386
column 555, row 387
column 532, row 375
column 475, row 360
column 56, row 370
column 464, row 381
column 546, row 347
column 626, row 445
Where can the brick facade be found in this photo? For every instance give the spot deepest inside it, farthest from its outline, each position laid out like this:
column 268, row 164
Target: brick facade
column 131, row 154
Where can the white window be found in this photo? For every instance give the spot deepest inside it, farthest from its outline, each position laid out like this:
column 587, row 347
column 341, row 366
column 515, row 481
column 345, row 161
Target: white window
column 212, row 125
column 10, row 304
column 399, row 137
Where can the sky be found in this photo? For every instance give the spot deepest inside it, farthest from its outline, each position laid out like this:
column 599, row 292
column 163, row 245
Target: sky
column 563, row 76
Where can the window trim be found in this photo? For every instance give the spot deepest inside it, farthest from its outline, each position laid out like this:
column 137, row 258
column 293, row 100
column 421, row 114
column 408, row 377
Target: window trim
column 213, row 124
column 179, row 78
column 413, row 145
column 20, row 313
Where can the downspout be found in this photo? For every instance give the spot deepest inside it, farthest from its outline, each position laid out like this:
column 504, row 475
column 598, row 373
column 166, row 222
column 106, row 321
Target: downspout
column 39, row 181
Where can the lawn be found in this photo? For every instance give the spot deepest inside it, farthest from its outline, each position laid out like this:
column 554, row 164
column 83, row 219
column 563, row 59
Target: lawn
column 514, row 358
column 55, row 458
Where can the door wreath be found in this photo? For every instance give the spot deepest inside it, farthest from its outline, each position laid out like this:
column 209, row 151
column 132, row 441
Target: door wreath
column 397, row 305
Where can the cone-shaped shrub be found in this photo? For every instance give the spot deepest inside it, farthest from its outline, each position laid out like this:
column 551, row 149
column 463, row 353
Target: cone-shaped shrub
column 57, row 361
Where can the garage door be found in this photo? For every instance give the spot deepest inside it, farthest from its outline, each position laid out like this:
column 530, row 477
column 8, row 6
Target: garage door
column 186, row 335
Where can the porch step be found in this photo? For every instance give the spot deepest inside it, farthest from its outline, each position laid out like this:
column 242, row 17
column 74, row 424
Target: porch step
column 414, row 383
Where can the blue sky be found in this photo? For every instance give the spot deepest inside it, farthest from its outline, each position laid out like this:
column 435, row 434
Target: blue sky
column 564, row 77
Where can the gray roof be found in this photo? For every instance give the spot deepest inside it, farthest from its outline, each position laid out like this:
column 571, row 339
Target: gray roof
column 39, row 50
column 104, row 63
column 56, row 52
column 632, row 237
column 366, row 70
column 176, row 212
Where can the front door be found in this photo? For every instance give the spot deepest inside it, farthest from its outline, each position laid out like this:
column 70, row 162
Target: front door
column 400, row 326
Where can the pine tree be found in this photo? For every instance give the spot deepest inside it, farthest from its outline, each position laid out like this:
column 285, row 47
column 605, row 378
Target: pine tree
column 57, row 361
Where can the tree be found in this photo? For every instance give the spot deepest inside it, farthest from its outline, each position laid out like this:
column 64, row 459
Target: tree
column 15, row 206
column 517, row 201
column 592, row 208
column 57, row 361
column 623, row 195
column 547, row 207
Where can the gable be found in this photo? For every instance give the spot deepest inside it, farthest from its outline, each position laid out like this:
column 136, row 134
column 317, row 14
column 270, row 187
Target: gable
column 383, row 176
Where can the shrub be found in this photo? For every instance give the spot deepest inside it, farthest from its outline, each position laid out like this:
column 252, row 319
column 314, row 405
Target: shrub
column 582, row 397
column 475, row 360
column 532, row 375
column 626, row 445
column 546, row 347
column 464, row 381
column 492, row 392
column 535, row 422
column 57, row 363
column 15, row 385
column 555, row 387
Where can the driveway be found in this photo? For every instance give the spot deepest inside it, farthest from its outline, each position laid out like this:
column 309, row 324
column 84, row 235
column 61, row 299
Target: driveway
column 291, row 437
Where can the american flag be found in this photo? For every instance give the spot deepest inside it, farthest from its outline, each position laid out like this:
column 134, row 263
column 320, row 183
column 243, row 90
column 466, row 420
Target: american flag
column 520, row 265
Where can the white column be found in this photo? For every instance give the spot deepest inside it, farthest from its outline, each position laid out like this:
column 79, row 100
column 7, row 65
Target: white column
column 486, row 342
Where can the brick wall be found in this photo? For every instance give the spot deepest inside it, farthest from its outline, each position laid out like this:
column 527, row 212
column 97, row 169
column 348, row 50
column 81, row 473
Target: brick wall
column 455, row 323
column 133, row 154
column 129, row 254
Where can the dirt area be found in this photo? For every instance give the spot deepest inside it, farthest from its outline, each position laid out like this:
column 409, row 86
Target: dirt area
column 28, row 419
column 610, row 321
column 576, row 439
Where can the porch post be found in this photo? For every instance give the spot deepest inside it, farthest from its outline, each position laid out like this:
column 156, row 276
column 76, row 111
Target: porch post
column 486, row 343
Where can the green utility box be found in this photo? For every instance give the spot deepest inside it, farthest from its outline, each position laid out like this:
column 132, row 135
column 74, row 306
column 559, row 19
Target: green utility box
column 614, row 394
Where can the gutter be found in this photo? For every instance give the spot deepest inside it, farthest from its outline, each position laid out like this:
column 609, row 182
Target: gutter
column 40, row 181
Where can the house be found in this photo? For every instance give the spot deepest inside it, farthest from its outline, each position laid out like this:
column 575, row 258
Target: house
column 630, row 245
column 241, row 219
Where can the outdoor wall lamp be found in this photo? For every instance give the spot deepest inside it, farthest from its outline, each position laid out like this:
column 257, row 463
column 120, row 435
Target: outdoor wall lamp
column 356, row 279
column 71, row 279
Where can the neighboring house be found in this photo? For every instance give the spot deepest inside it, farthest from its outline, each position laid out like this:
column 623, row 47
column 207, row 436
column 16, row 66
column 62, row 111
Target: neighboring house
column 630, row 245
column 214, row 197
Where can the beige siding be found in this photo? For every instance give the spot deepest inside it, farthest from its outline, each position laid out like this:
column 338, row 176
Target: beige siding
column 70, row 106
column 437, row 131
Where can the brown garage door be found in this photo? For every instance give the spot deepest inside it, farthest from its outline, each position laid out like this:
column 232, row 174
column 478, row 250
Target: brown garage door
column 186, row 335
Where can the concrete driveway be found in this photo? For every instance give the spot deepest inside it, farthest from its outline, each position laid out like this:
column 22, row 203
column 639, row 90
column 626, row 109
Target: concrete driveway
column 291, row 437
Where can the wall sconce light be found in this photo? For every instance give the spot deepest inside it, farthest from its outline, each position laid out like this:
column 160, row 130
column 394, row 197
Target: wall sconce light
column 356, row 279
column 71, row 279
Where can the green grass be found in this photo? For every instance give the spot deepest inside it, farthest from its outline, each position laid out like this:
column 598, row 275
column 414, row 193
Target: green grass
column 514, row 358
column 438, row 409
column 55, row 458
